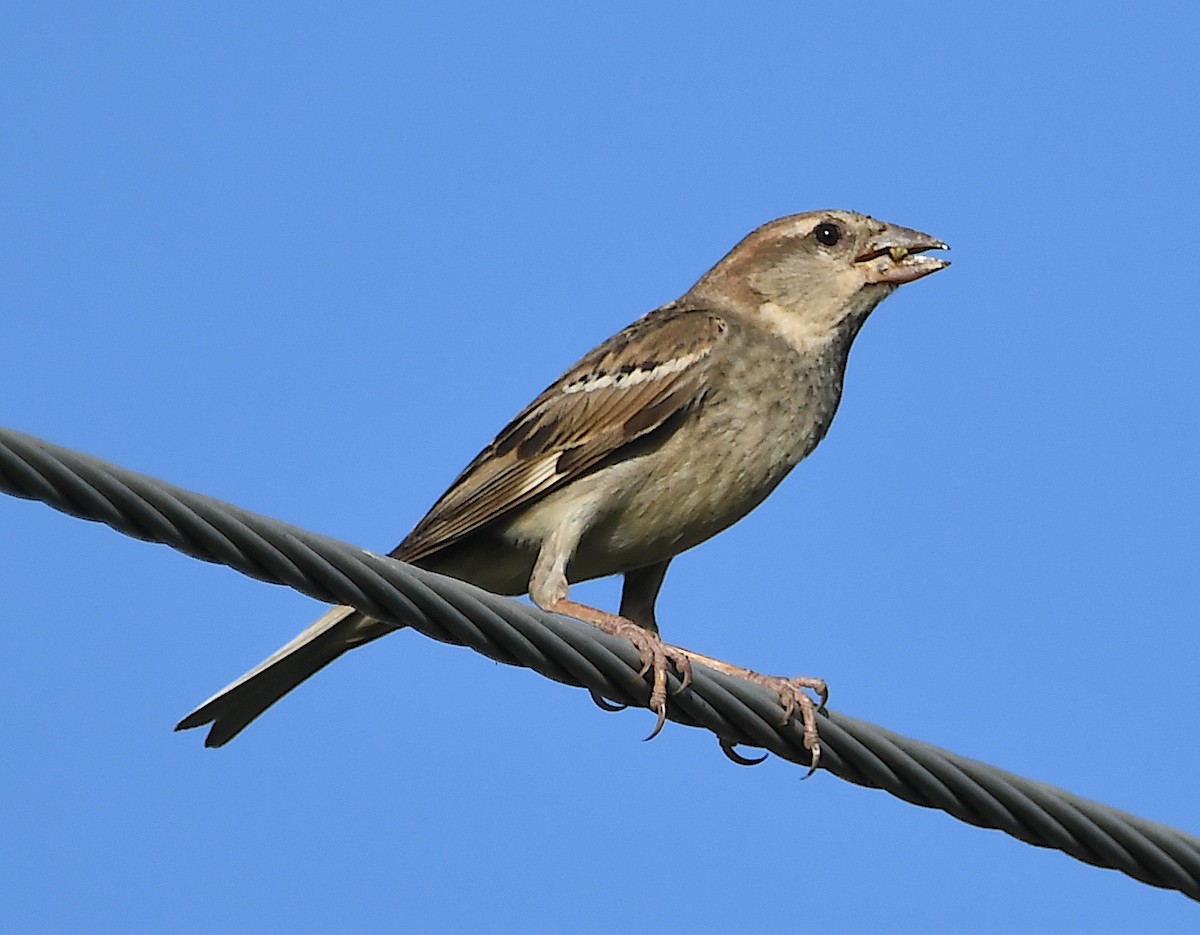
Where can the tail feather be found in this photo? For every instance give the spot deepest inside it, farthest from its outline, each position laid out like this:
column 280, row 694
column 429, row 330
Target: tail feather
column 232, row 708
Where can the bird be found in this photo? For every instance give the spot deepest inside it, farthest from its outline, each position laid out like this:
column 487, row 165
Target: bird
column 657, row 439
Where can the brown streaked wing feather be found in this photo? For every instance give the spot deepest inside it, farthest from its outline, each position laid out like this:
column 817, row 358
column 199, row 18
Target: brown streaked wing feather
column 623, row 389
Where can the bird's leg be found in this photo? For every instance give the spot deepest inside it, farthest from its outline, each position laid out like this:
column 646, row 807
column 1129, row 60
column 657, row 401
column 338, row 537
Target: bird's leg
column 791, row 692
column 657, row 656
column 639, row 591
column 638, row 594
column 548, row 589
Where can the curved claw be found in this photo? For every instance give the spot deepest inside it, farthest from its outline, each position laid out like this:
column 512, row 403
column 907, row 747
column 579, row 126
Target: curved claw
column 684, row 665
column 816, row 758
column 604, row 704
column 727, row 748
column 662, row 719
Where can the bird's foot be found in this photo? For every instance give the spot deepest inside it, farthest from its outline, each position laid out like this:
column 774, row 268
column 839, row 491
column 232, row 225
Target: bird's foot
column 657, row 657
column 793, row 693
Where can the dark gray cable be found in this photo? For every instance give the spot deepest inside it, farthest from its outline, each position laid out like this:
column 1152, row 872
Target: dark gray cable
column 577, row 654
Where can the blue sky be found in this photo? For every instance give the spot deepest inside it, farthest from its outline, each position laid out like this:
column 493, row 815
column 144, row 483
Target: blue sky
column 308, row 259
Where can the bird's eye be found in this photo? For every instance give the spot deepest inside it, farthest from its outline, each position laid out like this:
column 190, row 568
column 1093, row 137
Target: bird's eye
column 827, row 233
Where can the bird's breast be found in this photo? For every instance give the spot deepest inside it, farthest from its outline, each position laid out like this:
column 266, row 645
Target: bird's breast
column 763, row 413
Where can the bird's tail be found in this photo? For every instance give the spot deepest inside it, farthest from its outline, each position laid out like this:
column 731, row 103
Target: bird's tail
column 232, row 708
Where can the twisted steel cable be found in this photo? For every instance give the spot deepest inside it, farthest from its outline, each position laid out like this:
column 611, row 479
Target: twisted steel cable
column 572, row 652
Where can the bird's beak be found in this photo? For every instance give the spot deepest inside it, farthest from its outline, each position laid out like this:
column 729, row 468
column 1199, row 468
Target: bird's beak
column 893, row 256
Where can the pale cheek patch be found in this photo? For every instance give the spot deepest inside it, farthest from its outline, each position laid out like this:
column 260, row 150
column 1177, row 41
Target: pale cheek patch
column 622, row 378
column 801, row 331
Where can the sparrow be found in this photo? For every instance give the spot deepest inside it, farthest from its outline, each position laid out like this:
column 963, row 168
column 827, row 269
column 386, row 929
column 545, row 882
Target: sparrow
column 662, row 436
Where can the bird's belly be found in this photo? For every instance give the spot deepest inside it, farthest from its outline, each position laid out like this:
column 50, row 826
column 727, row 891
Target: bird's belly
column 684, row 497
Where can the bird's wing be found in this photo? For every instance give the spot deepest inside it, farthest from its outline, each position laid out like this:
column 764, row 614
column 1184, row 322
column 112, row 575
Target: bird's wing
column 622, row 390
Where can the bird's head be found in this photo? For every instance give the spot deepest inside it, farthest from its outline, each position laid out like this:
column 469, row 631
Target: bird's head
column 819, row 270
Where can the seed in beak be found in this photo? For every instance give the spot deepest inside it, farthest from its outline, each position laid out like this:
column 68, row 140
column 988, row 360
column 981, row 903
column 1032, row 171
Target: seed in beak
column 897, row 253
